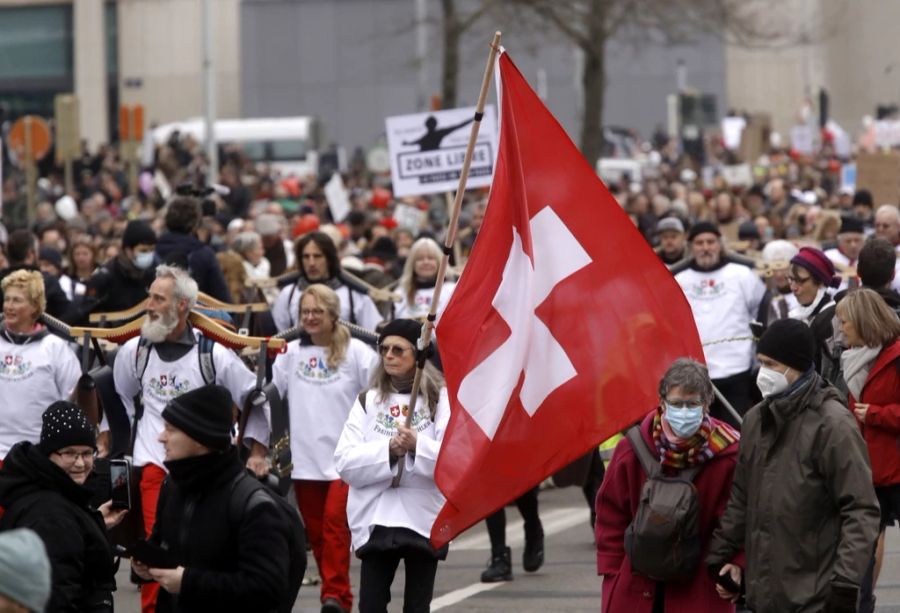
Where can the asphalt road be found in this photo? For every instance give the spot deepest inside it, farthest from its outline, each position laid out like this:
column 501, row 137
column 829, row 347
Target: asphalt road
column 567, row 581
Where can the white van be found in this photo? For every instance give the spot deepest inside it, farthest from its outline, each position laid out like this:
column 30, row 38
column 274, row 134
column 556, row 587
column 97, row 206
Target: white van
column 290, row 144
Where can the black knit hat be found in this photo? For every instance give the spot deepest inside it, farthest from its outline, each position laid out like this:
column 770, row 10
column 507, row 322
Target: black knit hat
column 410, row 329
column 791, row 342
column 702, row 227
column 204, row 414
column 138, row 232
column 64, row 424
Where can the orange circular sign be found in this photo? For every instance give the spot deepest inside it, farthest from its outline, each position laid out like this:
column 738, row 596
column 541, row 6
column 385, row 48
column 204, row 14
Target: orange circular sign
column 40, row 137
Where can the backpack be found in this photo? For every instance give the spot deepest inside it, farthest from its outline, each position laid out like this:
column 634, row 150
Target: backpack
column 244, row 497
column 204, row 355
column 662, row 542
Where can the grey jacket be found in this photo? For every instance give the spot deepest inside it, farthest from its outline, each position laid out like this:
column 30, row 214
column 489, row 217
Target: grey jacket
column 802, row 504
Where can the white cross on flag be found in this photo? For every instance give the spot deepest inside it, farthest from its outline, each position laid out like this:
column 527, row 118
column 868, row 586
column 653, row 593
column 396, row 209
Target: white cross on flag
column 560, row 327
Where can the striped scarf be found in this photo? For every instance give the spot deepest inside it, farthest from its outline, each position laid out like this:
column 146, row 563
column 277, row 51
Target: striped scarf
column 705, row 444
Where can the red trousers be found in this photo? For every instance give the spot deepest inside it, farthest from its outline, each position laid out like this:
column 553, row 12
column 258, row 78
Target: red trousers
column 323, row 505
column 151, row 482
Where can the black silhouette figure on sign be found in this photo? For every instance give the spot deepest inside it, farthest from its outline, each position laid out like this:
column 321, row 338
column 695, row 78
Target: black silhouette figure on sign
column 431, row 140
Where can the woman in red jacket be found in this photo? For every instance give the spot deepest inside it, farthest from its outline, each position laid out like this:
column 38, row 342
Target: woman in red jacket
column 870, row 368
column 682, row 435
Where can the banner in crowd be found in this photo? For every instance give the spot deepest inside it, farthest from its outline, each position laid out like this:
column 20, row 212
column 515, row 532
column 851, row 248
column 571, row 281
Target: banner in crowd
column 427, row 150
column 560, row 328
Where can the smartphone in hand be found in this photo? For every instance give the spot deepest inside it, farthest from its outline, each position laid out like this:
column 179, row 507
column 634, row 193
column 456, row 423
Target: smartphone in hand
column 120, row 484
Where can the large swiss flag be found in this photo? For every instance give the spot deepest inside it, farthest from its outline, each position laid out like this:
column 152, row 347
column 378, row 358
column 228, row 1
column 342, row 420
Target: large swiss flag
column 560, row 328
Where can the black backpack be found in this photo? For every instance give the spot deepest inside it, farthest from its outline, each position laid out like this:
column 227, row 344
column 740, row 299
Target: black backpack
column 244, row 497
column 662, row 542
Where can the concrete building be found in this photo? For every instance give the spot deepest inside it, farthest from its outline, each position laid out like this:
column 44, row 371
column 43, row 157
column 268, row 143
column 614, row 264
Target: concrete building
column 354, row 62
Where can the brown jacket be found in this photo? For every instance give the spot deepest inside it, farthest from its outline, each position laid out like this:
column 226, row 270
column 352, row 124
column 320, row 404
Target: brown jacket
column 802, row 503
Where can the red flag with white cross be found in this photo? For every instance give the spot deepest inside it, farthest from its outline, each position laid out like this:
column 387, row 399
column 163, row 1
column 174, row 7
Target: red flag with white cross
column 559, row 329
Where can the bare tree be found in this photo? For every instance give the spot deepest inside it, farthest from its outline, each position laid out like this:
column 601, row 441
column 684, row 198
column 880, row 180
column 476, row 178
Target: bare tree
column 591, row 24
column 454, row 25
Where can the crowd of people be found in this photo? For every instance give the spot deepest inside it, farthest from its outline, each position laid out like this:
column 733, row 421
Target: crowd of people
column 787, row 436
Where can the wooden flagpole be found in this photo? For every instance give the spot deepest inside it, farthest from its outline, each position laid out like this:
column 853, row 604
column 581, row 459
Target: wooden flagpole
column 449, row 240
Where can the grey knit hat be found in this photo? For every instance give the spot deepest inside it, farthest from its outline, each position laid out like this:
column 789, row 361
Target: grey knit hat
column 24, row 568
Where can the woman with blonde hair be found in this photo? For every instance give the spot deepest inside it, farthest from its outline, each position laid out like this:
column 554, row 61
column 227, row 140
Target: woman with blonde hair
column 871, row 330
column 392, row 522
column 322, row 374
column 418, row 280
column 36, row 367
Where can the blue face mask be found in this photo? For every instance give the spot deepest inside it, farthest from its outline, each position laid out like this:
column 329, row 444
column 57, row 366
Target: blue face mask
column 684, row 422
column 143, row 260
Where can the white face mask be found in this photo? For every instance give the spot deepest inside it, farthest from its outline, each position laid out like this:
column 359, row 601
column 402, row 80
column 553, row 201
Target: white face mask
column 771, row 382
column 143, row 260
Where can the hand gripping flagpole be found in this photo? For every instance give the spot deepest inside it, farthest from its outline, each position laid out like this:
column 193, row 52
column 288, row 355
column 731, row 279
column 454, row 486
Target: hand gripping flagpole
column 449, row 239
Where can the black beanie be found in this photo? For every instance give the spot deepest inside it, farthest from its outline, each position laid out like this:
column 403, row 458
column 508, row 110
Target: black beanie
column 138, row 232
column 791, row 342
column 701, row 227
column 64, row 424
column 410, row 329
column 204, row 414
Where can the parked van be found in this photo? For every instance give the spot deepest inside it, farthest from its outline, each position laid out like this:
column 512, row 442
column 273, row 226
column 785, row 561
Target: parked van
column 290, row 144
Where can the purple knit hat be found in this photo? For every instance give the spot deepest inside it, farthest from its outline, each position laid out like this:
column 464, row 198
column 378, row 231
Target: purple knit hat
column 818, row 264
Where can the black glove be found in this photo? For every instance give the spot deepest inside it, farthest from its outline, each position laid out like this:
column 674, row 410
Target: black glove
column 842, row 599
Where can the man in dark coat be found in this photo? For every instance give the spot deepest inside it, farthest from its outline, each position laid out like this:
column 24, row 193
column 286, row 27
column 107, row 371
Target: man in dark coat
column 22, row 253
column 42, row 488
column 179, row 246
column 122, row 283
column 224, row 563
column 802, row 505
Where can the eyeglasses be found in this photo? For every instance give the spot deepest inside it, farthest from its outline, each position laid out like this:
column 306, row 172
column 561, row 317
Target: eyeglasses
column 798, row 280
column 312, row 312
column 683, row 404
column 395, row 350
column 71, row 456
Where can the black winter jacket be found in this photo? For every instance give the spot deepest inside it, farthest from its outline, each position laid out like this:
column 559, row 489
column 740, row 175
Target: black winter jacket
column 117, row 286
column 181, row 249
column 231, row 563
column 37, row 494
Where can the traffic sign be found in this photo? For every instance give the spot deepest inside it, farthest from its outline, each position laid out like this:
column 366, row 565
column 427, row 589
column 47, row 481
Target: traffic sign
column 30, row 128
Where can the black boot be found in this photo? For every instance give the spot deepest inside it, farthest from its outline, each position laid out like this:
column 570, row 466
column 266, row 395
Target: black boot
column 499, row 568
column 533, row 556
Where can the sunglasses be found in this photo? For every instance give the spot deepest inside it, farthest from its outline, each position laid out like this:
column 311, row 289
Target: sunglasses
column 798, row 280
column 395, row 350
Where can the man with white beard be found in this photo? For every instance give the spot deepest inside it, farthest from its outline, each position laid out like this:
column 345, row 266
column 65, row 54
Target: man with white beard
column 172, row 366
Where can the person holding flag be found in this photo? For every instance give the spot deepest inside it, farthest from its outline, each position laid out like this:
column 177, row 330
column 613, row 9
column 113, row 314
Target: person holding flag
column 389, row 522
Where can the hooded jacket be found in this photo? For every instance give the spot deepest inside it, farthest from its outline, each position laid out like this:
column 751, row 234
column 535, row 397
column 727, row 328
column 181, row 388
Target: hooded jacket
column 38, row 494
column 180, row 249
column 802, row 503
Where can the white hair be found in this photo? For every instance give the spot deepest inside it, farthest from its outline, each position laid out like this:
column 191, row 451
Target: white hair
column 183, row 288
column 889, row 208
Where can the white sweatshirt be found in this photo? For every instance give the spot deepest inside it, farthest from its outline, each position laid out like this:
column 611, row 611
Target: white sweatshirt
column 363, row 461
column 319, row 400
column 33, row 376
column 286, row 311
column 724, row 302
column 163, row 381
column 422, row 302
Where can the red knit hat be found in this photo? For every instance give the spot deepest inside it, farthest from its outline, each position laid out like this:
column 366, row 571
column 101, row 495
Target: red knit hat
column 818, row 264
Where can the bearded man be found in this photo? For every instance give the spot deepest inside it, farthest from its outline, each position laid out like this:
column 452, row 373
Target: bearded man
column 170, row 368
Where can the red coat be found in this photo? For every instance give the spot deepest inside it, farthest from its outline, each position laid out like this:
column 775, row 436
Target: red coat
column 617, row 502
column 882, row 427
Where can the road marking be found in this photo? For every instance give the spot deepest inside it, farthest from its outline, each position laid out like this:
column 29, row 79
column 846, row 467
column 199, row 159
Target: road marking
column 451, row 598
column 554, row 521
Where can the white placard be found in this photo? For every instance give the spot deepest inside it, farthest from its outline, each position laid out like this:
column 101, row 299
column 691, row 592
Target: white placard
column 803, row 140
column 337, row 197
column 427, row 150
column 409, row 217
column 887, row 133
column 738, row 175
column 732, row 128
